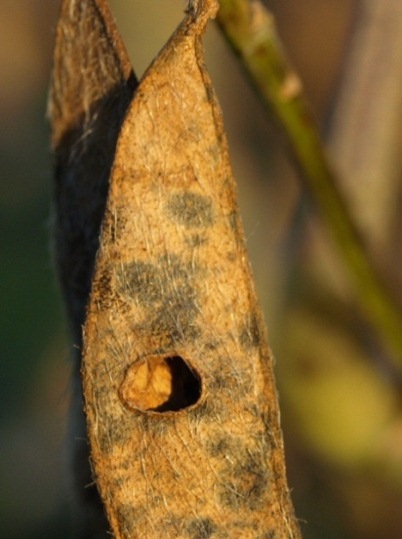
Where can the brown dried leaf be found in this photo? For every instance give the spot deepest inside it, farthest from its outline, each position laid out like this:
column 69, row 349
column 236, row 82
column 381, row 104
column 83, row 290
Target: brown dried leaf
column 92, row 86
column 180, row 398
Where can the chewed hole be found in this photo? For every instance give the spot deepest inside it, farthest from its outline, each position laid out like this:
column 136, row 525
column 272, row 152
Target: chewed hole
column 161, row 384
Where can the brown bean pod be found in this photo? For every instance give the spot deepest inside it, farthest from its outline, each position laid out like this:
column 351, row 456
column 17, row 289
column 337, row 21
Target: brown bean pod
column 180, row 398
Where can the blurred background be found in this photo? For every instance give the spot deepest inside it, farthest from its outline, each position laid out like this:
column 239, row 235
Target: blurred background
column 340, row 390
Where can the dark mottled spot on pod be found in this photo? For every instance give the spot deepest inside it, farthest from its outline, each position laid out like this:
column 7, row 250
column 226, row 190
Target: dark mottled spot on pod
column 249, row 334
column 112, row 435
column 247, row 484
column 106, row 295
column 141, row 280
column 196, row 240
column 219, row 447
column 176, row 322
column 270, row 534
column 191, row 210
column 234, row 222
column 201, row 528
column 168, row 291
column 129, row 518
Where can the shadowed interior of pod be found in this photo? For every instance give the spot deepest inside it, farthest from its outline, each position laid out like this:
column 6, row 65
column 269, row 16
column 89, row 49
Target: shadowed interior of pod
column 160, row 383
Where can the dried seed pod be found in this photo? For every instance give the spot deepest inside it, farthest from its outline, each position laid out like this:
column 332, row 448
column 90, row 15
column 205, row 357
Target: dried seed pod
column 180, row 398
column 92, row 86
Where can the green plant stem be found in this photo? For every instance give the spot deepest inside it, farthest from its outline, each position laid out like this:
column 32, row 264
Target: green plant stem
column 250, row 30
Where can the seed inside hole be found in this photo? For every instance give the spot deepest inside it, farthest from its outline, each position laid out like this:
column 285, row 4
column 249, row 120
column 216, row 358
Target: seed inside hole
column 160, row 384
